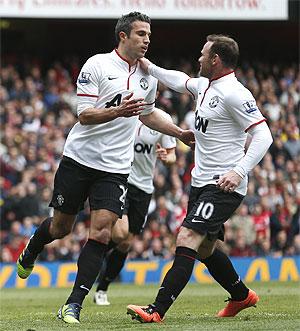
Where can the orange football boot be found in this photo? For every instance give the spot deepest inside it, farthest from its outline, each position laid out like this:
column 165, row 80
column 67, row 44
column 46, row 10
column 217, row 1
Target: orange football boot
column 234, row 307
column 144, row 314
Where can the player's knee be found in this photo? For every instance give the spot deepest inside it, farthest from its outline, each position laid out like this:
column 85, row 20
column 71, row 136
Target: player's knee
column 188, row 238
column 182, row 237
column 119, row 237
column 120, row 234
column 101, row 235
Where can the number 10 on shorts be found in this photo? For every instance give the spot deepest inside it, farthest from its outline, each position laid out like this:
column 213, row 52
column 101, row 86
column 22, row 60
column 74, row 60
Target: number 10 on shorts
column 205, row 209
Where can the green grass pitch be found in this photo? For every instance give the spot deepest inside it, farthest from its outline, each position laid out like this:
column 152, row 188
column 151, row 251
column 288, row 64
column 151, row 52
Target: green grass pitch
column 35, row 309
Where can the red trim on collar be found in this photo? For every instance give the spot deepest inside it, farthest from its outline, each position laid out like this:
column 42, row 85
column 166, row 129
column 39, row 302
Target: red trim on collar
column 212, row 80
column 130, row 76
column 230, row 72
column 205, row 93
column 123, row 58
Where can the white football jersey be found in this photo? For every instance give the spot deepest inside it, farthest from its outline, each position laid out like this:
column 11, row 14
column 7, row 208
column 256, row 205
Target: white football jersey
column 225, row 111
column 142, row 171
column 104, row 80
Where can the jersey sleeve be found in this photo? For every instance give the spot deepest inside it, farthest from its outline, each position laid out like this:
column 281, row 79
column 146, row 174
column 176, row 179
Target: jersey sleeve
column 242, row 106
column 88, row 85
column 193, row 85
column 150, row 98
column 168, row 141
column 175, row 80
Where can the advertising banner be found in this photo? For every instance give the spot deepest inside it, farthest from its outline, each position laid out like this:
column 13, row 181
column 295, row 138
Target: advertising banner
column 56, row 274
column 156, row 9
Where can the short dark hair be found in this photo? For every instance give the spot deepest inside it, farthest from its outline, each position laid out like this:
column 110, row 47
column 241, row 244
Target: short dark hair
column 125, row 23
column 226, row 47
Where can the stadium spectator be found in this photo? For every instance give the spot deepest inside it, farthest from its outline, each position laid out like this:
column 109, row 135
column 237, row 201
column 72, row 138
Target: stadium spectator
column 280, row 245
column 138, row 251
column 261, row 221
column 241, row 248
column 241, row 220
column 156, row 250
column 252, row 197
column 162, row 212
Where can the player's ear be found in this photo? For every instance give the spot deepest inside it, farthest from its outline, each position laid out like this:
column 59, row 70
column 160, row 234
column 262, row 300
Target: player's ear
column 215, row 59
column 122, row 35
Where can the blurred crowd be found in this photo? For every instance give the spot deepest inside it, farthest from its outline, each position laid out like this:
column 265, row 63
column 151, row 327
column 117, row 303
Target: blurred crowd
column 38, row 109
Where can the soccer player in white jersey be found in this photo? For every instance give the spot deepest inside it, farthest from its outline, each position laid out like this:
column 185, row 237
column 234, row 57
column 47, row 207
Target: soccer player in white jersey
column 112, row 92
column 149, row 145
column 225, row 112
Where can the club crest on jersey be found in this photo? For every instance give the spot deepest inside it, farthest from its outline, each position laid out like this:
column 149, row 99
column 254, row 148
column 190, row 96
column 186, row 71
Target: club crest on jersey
column 144, row 83
column 153, row 132
column 60, row 200
column 214, row 101
column 250, row 106
column 84, row 79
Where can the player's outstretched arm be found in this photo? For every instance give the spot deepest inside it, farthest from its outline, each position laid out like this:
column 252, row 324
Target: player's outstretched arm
column 176, row 80
column 158, row 122
column 127, row 108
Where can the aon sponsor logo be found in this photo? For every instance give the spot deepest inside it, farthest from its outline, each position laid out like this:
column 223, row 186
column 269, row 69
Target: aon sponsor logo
column 200, row 123
column 143, row 148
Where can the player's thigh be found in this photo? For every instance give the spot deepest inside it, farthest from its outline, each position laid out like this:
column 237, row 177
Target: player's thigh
column 209, row 208
column 136, row 208
column 71, row 186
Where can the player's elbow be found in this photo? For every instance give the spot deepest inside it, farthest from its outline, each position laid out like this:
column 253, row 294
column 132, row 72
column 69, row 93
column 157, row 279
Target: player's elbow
column 83, row 119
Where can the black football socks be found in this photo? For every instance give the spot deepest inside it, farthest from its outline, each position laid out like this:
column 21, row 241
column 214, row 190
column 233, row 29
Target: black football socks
column 90, row 258
column 175, row 280
column 114, row 264
column 40, row 238
column 222, row 270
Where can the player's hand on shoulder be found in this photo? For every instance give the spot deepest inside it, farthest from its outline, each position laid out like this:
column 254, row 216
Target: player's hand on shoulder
column 188, row 137
column 130, row 106
column 229, row 181
column 144, row 64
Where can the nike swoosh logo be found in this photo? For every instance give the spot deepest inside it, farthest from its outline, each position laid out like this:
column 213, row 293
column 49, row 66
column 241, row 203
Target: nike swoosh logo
column 111, row 78
column 84, row 288
column 196, row 221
